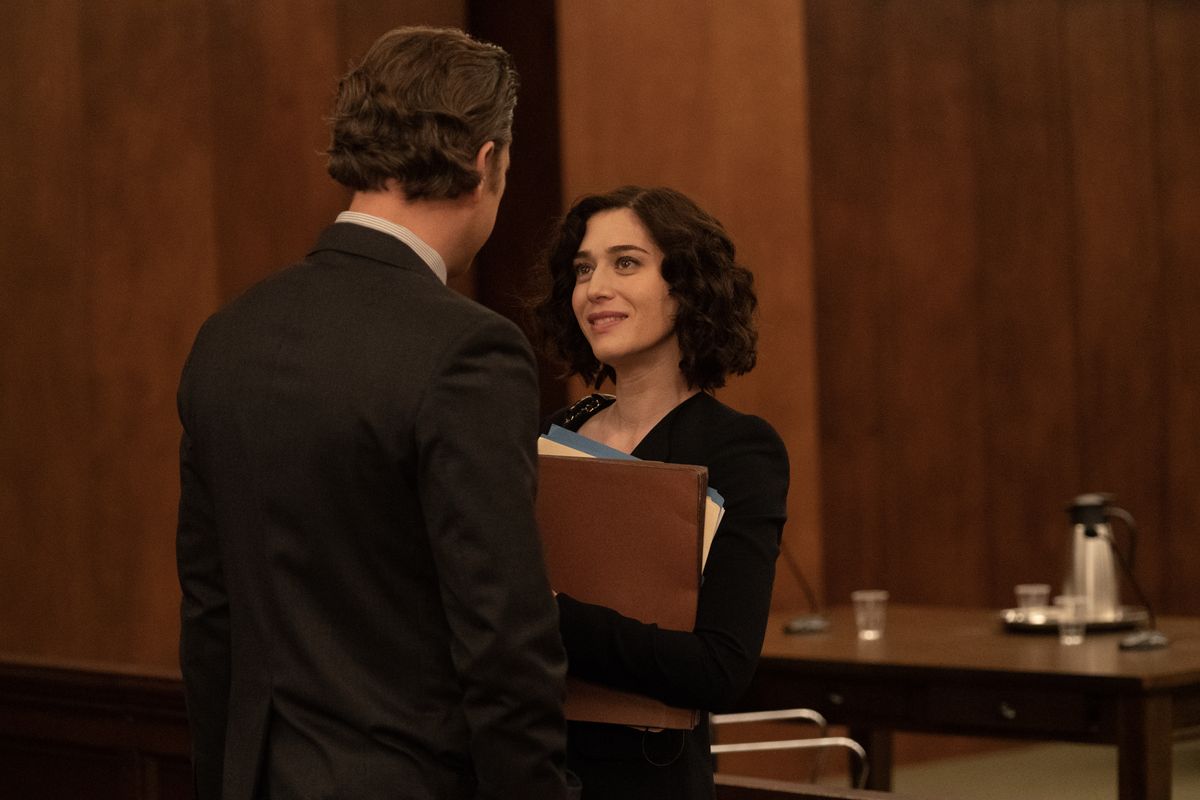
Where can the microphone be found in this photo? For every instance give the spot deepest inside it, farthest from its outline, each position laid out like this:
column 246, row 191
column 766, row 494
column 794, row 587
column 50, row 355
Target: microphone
column 1150, row 638
column 814, row 621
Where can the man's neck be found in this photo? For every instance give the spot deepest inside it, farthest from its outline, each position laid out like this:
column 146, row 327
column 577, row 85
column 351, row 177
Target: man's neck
column 439, row 223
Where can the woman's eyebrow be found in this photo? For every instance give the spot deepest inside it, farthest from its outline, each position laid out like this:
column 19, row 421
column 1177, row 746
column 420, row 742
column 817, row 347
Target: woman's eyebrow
column 616, row 248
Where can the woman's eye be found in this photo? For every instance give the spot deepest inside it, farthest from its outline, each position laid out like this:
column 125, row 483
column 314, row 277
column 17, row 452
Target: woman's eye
column 626, row 262
column 583, row 269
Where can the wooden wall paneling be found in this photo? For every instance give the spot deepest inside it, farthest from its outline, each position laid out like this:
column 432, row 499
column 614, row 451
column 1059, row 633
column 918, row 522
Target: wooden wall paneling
column 1059, row 291
column 1025, row 229
column 902, row 406
column 274, row 69
column 760, row 173
column 157, row 145
column 89, row 730
column 150, row 248
column 1119, row 278
column 45, row 408
column 1175, row 82
column 626, row 116
column 50, row 772
column 361, row 22
column 93, row 369
column 935, row 481
column 710, row 98
column 505, row 269
column 849, row 145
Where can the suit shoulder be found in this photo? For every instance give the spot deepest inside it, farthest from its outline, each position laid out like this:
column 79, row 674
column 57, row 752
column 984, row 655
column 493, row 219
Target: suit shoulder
column 471, row 319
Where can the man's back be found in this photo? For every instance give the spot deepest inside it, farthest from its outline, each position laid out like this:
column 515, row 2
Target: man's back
column 357, row 477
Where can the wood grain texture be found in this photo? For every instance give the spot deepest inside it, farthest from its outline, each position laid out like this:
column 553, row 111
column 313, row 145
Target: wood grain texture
column 506, row 268
column 711, row 100
column 168, row 155
column 269, row 133
column 1175, row 84
column 849, row 147
column 147, row 148
column 1120, row 328
column 933, row 401
column 70, row 730
column 1004, row 198
column 1028, row 348
column 44, row 302
column 894, row 189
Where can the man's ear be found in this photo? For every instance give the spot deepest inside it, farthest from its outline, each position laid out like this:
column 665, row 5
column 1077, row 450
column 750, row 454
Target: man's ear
column 482, row 166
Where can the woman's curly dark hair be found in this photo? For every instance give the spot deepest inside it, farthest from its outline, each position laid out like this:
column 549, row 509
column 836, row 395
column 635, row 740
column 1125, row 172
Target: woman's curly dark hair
column 715, row 320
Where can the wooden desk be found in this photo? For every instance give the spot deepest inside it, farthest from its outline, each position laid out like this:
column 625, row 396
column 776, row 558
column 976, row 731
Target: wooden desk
column 958, row 671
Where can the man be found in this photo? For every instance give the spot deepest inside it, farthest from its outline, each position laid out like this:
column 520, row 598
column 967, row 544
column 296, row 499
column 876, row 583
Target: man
column 365, row 607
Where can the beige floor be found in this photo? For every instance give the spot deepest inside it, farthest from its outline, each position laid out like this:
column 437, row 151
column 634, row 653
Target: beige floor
column 1038, row 772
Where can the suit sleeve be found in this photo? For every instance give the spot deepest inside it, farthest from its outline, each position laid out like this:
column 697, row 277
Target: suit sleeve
column 712, row 665
column 204, row 643
column 476, row 432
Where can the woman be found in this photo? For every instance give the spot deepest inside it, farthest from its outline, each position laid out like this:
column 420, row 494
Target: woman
column 644, row 291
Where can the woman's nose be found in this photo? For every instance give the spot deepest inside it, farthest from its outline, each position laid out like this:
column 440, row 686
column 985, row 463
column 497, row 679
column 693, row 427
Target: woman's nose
column 599, row 284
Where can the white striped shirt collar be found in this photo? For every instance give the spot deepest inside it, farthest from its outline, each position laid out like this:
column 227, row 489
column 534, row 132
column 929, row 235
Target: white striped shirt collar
column 427, row 253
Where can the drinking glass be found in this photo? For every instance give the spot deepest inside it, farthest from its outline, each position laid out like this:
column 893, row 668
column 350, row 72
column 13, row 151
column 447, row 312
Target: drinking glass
column 870, row 612
column 1072, row 618
column 1032, row 599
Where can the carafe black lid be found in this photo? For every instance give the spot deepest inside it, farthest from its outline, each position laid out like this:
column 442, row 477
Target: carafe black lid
column 1089, row 509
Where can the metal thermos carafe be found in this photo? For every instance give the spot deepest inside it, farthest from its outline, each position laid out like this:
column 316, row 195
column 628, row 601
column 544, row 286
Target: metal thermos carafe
column 1093, row 568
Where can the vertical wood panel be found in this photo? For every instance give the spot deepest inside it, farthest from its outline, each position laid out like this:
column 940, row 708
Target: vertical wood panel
column 45, row 404
column 931, row 367
column 918, row 294
column 759, row 173
column 1025, row 230
column 505, row 269
column 147, row 149
column 849, row 146
column 1119, row 322
column 1176, row 90
column 274, row 69
column 710, row 98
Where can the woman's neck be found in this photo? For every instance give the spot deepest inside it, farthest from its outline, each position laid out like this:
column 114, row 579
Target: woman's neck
column 643, row 398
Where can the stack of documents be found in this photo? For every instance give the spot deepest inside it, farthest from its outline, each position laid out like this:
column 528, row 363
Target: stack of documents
column 631, row 535
column 561, row 442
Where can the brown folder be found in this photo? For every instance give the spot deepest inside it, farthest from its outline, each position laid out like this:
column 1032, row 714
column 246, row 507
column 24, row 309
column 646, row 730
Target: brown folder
column 626, row 535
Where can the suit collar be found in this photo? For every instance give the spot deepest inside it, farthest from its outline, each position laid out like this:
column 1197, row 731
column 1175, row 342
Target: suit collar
column 363, row 242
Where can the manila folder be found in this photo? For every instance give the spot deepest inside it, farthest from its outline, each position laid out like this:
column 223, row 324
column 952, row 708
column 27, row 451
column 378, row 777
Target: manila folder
column 626, row 535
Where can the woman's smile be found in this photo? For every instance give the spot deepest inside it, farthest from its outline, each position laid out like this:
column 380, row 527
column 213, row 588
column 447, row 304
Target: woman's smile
column 602, row 321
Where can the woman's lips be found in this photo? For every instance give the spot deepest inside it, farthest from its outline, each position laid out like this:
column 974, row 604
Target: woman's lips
column 603, row 320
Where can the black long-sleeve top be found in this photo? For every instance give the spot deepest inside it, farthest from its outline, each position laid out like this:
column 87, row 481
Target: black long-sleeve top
column 710, row 666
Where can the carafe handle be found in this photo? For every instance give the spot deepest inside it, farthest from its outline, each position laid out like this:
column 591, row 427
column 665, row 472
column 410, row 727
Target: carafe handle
column 1116, row 512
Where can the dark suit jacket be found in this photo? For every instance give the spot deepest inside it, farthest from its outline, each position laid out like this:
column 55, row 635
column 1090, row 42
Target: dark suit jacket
column 365, row 608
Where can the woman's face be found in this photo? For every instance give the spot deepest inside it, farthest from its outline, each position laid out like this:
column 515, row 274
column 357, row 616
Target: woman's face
column 621, row 302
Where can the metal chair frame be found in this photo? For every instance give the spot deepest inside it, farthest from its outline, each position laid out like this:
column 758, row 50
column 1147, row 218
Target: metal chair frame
column 820, row 743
